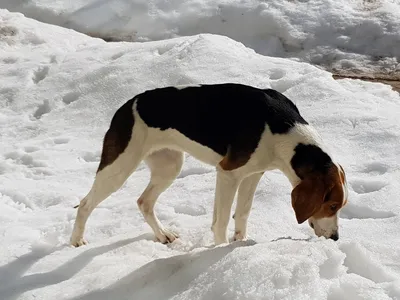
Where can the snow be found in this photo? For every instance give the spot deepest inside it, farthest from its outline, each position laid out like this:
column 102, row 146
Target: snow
column 59, row 90
column 357, row 36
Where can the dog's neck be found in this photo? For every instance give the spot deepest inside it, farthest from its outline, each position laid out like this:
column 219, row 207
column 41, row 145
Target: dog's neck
column 304, row 151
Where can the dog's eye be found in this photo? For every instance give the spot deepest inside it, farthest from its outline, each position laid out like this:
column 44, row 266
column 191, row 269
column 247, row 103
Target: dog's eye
column 333, row 207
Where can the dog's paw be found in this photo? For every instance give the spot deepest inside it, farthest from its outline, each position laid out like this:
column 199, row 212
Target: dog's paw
column 78, row 242
column 240, row 236
column 166, row 236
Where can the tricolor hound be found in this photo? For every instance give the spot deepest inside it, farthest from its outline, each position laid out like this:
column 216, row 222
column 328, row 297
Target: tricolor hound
column 241, row 130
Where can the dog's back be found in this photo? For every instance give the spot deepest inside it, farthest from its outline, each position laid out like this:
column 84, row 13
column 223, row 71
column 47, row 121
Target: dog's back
column 218, row 115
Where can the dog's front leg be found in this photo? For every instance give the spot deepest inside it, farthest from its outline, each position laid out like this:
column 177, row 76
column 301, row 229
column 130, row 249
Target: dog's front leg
column 246, row 192
column 226, row 187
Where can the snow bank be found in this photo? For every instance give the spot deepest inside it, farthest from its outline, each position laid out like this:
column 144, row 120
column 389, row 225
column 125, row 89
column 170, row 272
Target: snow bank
column 58, row 92
column 281, row 270
column 356, row 36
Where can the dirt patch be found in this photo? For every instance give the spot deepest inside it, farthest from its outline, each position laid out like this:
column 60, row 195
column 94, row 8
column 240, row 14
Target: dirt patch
column 392, row 80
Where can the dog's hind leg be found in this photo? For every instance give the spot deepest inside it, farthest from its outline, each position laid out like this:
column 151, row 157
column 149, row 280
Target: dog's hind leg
column 123, row 150
column 165, row 165
column 107, row 181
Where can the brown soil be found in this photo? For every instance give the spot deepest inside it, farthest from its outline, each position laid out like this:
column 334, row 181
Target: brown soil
column 393, row 80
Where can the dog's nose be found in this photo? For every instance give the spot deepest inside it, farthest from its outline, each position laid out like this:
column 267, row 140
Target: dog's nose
column 335, row 236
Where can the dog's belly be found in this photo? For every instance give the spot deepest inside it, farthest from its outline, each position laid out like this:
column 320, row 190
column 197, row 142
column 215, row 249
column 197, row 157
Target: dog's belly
column 173, row 139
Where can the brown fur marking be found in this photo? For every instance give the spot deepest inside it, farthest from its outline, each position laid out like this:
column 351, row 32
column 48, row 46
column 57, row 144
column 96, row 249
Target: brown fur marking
column 233, row 161
column 118, row 135
column 319, row 195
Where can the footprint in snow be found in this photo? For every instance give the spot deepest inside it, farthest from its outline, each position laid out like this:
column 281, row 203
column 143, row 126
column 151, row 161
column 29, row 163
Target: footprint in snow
column 30, row 149
column 366, row 186
column 61, row 140
column 10, row 60
column 70, row 97
column 35, row 168
column 375, row 168
column 355, row 211
column 42, row 109
column 91, row 157
column 25, row 159
column 40, row 74
column 277, row 74
column 361, row 186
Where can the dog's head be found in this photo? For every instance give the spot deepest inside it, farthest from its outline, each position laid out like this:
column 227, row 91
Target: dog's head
column 319, row 197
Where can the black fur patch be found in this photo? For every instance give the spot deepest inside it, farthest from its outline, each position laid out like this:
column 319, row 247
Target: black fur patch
column 118, row 135
column 310, row 159
column 275, row 94
column 220, row 115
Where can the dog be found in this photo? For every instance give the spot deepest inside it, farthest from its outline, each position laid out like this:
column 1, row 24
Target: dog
column 242, row 130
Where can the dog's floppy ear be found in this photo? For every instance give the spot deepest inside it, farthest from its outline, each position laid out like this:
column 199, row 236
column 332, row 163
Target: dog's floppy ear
column 307, row 198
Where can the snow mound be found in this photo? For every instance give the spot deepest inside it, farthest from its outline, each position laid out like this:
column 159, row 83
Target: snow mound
column 58, row 92
column 350, row 35
column 280, row 270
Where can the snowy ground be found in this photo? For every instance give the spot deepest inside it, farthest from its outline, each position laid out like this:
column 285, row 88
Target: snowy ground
column 58, row 92
column 358, row 36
